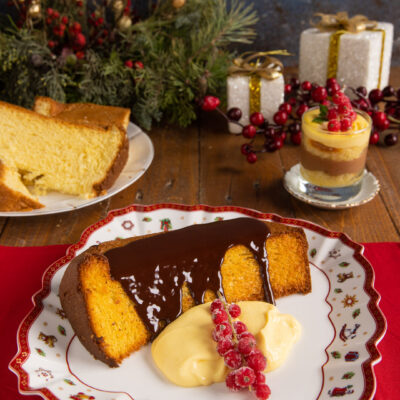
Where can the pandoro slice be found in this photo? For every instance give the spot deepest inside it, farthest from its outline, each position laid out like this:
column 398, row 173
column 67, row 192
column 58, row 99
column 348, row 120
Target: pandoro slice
column 53, row 154
column 105, row 318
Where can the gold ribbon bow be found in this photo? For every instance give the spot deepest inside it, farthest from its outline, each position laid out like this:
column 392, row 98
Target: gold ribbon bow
column 250, row 64
column 256, row 66
column 341, row 21
column 339, row 24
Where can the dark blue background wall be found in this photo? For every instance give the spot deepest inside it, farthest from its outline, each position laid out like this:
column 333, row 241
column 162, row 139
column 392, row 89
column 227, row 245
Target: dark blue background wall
column 281, row 21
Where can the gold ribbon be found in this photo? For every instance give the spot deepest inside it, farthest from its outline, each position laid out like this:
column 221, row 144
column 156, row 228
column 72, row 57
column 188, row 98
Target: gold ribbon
column 256, row 66
column 339, row 24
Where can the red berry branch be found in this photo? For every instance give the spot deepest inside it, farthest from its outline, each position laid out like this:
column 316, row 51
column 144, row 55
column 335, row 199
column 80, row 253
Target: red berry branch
column 238, row 347
column 299, row 97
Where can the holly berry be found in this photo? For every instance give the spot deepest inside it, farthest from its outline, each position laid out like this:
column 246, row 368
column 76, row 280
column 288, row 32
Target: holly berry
column 128, row 63
column 280, row 117
column 234, row 114
column 51, row 44
column 251, row 157
column 64, row 20
column 319, row 94
column 306, row 85
column 375, row 96
column 80, row 40
column 249, row 131
column 80, row 55
column 391, row 139
column 257, row 119
column 374, row 138
column 210, row 103
column 139, row 65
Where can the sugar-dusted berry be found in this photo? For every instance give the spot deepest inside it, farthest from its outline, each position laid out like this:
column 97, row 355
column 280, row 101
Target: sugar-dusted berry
column 224, row 345
column 231, row 382
column 234, row 310
column 334, row 125
column 219, row 316
column 260, row 378
column 239, row 327
column 223, row 330
column 217, row 304
column 246, row 345
column 345, row 124
column 233, row 359
column 257, row 361
column 262, row 391
column 245, row 377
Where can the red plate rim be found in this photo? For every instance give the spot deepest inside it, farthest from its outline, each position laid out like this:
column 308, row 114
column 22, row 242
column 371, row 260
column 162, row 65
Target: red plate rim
column 23, row 352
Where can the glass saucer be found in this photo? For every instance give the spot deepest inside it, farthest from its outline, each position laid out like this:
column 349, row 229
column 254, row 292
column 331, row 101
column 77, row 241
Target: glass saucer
column 294, row 184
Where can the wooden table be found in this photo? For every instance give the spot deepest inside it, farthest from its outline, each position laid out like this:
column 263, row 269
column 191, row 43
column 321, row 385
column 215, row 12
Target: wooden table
column 203, row 164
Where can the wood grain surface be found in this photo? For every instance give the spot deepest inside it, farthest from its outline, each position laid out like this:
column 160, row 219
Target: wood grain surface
column 203, row 164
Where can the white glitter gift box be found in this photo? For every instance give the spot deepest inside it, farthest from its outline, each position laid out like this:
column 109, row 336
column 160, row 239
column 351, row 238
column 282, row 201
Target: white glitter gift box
column 255, row 85
column 355, row 51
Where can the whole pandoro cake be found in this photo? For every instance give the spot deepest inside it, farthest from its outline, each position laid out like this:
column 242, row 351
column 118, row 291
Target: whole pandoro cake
column 120, row 294
column 71, row 154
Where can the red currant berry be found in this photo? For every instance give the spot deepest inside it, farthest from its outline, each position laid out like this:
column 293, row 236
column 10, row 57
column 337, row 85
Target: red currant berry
column 234, row 310
column 353, row 116
column 217, row 304
column 374, row 138
column 51, row 44
column 388, row 91
column 257, row 361
column 295, row 138
column 257, row 119
column 344, row 109
column 247, row 334
column 245, row 377
column 234, row 113
column 231, row 382
column 334, row 125
column 375, row 96
column 288, row 88
column 76, row 27
column 245, row 149
column 50, row 12
column 263, row 391
column 260, row 378
column 319, row 94
column 249, row 131
column 246, row 345
column 286, row 107
column 224, row 345
column 56, row 14
column 334, row 88
column 239, row 327
column 219, row 316
column 222, row 331
column 391, row 139
column 251, row 157
column 128, row 64
column 338, row 97
column 301, row 109
column 210, row 103
column 306, row 85
column 80, row 40
column 280, row 117
column 345, row 124
column 332, row 114
column 64, row 20
column 233, row 359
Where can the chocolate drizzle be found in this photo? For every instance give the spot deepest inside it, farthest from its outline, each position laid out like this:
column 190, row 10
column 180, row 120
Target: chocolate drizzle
column 152, row 271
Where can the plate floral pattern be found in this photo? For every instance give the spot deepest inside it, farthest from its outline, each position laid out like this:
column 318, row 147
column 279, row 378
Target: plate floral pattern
column 43, row 361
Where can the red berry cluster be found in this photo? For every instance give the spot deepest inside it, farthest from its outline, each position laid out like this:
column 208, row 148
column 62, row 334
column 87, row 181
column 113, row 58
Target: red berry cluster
column 238, row 347
column 373, row 103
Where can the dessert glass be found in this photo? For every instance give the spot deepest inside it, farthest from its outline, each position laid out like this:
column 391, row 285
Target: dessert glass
column 332, row 164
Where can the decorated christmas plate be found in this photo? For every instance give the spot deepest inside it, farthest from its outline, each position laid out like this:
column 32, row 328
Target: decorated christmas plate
column 341, row 323
column 141, row 153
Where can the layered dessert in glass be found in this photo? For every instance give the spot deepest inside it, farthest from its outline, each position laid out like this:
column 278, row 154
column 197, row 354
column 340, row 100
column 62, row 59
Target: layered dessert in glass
column 334, row 149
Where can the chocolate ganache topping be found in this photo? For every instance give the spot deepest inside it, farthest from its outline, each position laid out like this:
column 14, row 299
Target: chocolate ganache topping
column 152, row 271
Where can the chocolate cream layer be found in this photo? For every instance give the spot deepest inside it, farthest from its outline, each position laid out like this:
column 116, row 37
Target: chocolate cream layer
column 330, row 166
column 153, row 270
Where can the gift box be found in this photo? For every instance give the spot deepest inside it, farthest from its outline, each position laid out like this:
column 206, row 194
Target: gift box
column 255, row 84
column 355, row 51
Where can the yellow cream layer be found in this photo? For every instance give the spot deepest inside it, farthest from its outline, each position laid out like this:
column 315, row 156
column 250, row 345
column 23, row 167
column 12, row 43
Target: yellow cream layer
column 358, row 136
column 320, row 178
column 186, row 354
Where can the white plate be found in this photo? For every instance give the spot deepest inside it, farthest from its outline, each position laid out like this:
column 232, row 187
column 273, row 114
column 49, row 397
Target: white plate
column 141, row 153
column 341, row 321
column 369, row 189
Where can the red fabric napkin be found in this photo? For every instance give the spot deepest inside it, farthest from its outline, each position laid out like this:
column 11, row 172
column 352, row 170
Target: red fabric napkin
column 21, row 276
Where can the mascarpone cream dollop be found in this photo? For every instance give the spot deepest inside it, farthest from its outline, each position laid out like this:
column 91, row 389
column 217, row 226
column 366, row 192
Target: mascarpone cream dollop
column 186, row 354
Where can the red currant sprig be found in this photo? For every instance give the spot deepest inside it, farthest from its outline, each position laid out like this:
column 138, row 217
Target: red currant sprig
column 238, row 347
